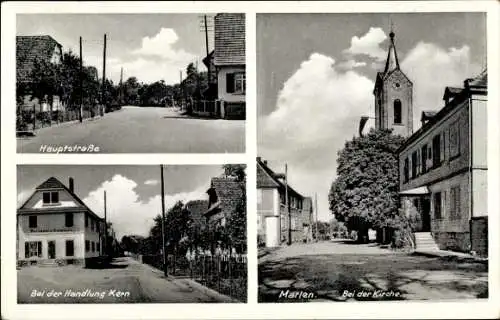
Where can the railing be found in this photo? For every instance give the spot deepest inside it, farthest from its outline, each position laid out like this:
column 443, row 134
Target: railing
column 223, row 273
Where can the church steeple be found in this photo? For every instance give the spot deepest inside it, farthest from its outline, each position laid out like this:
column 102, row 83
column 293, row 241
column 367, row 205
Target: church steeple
column 392, row 62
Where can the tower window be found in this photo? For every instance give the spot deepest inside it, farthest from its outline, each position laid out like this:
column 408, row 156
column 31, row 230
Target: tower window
column 397, row 111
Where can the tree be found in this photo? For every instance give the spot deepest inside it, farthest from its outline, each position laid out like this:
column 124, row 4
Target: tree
column 235, row 170
column 364, row 194
column 237, row 222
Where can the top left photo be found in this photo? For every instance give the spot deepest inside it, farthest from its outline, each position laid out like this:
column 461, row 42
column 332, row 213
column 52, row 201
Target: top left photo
column 130, row 83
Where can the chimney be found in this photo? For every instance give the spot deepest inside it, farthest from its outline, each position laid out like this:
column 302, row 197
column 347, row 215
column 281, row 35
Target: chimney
column 259, row 159
column 265, row 162
column 71, row 185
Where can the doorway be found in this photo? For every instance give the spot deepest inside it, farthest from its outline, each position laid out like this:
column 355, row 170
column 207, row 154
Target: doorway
column 51, row 250
column 426, row 215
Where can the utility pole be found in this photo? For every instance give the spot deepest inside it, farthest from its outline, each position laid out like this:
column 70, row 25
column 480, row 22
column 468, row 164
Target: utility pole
column 206, row 45
column 121, row 86
column 316, row 213
column 103, row 98
column 180, row 86
column 287, row 208
column 81, row 82
column 163, row 249
column 105, row 226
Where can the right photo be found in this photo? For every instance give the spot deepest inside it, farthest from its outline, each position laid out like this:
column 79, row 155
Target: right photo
column 372, row 156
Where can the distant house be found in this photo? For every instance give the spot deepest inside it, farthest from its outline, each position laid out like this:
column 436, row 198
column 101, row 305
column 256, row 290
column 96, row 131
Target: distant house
column 229, row 63
column 443, row 172
column 55, row 227
column 197, row 209
column 224, row 194
column 29, row 49
column 274, row 222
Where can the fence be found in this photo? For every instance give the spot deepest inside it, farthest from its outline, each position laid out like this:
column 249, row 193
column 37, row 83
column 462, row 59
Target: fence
column 30, row 119
column 206, row 108
column 224, row 274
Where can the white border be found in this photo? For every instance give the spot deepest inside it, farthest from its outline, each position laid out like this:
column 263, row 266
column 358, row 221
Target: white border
column 426, row 309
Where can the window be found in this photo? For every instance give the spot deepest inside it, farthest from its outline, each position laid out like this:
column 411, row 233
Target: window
column 68, row 220
column 397, row 111
column 235, row 82
column 436, row 151
column 437, row 205
column 93, row 246
column 33, row 221
column 455, row 203
column 86, row 221
column 51, row 197
column 454, row 143
column 70, row 248
column 424, row 159
column 87, row 245
column 259, row 196
column 91, row 224
column 33, row 249
column 406, row 170
column 414, row 164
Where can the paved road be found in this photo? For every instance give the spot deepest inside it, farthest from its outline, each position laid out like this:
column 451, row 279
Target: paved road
column 337, row 271
column 144, row 130
column 126, row 281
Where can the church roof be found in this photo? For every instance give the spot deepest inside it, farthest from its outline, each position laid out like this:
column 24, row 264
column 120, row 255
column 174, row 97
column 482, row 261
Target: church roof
column 392, row 62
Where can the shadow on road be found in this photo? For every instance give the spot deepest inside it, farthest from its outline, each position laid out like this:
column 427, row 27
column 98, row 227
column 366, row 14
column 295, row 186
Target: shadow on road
column 117, row 263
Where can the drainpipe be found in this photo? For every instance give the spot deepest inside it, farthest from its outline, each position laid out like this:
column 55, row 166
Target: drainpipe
column 469, row 100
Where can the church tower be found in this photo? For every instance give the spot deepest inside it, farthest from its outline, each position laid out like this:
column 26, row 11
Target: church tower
column 393, row 96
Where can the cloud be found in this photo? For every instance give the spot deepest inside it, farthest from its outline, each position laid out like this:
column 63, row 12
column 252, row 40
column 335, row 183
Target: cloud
column 151, row 182
column 368, row 44
column 126, row 212
column 431, row 68
column 351, row 64
column 161, row 45
column 319, row 108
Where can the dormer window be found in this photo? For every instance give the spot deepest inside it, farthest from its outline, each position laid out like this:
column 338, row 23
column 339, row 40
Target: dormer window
column 51, row 197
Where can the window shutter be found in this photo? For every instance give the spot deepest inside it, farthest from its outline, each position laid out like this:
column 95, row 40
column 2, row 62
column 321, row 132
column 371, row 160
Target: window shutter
column 26, row 250
column 443, row 150
column 230, row 83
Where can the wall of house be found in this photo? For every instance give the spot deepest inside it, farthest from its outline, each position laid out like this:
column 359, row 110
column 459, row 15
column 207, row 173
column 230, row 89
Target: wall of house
column 221, row 78
column 268, row 216
column 65, row 201
column 479, row 129
column 93, row 236
column 52, row 222
column 449, row 164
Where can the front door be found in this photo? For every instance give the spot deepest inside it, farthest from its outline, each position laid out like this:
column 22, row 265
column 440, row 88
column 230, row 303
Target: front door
column 426, row 215
column 51, row 250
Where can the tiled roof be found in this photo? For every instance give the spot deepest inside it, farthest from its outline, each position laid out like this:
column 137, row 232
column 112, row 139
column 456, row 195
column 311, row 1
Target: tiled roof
column 229, row 192
column 28, row 49
column 229, row 39
column 197, row 208
column 268, row 179
column 54, row 183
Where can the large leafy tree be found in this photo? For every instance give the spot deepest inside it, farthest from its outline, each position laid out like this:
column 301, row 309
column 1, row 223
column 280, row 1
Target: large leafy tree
column 364, row 194
column 236, row 227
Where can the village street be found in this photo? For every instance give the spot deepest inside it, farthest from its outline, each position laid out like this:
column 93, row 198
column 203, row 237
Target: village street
column 125, row 281
column 345, row 271
column 143, row 130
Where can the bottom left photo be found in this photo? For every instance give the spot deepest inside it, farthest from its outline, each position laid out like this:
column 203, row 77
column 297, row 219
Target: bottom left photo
column 131, row 234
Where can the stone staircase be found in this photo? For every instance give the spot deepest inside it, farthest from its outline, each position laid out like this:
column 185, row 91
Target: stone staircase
column 425, row 242
column 47, row 263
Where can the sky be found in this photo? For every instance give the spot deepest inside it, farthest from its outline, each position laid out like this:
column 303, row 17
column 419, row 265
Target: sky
column 133, row 192
column 150, row 47
column 316, row 72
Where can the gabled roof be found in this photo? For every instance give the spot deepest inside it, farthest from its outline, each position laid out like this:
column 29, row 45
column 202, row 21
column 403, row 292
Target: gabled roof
column 427, row 115
column 197, row 208
column 229, row 39
column 229, row 191
column 54, row 184
column 267, row 178
column 30, row 48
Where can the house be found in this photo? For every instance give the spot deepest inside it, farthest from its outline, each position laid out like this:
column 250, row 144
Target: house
column 224, row 195
column 29, row 50
column 274, row 223
column 55, row 227
column 197, row 209
column 229, row 63
column 443, row 172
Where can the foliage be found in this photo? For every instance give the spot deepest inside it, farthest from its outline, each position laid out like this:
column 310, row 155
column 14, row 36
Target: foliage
column 235, row 170
column 364, row 195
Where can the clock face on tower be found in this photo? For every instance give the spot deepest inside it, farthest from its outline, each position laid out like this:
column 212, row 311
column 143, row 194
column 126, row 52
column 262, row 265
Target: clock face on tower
column 396, row 85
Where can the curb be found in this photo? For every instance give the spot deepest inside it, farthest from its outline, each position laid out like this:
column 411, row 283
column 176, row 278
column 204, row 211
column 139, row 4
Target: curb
column 58, row 125
column 444, row 255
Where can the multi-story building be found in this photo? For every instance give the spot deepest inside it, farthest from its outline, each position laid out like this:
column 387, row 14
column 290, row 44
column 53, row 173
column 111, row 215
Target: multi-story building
column 275, row 222
column 56, row 227
column 443, row 172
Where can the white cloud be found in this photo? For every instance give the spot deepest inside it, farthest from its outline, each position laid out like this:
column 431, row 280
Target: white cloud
column 351, row 64
column 151, row 182
column 161, row 45
column 319, row 108
column 431, row 68
column 368, row 44
column 127, row 213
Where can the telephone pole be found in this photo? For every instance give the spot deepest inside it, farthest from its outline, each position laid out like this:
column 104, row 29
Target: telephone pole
column 180, row 86
column 206, row 45
column 121, row 87
column 105, row 226
column 81, row 83
column 287, row 208
column 103, row 98
column 163, row 249
column 316, row 213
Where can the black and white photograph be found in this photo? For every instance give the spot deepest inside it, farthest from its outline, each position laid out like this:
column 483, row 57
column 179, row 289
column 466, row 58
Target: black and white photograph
column 372, row 156
column 130, row 83
column 131, row 234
